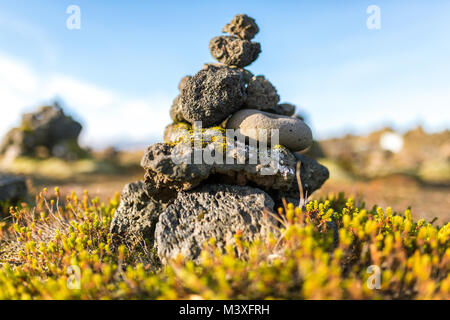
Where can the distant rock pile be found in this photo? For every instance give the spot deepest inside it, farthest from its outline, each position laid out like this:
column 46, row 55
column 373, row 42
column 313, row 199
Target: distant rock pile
column 48, row 132
column 179, row 205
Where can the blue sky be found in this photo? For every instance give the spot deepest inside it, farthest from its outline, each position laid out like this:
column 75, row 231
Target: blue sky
column 119, row 73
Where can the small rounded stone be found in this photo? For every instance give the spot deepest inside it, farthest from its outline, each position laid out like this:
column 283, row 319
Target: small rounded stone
column 183, row 82
column 284, row 109
column 175, row 110
column 293, row 133
column 261, row 94
column 242, row 26
column 212, row 95
column 233, row 51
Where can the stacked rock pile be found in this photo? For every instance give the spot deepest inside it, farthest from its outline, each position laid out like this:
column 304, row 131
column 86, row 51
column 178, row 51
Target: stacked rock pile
column 179, row 205
column 48, row 132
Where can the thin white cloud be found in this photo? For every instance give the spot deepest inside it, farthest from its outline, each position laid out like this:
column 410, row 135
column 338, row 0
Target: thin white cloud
column 33, row 35
column 108, row 116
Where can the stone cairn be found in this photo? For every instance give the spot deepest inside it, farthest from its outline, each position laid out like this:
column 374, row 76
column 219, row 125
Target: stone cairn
column 45, row 133
column 179, row 206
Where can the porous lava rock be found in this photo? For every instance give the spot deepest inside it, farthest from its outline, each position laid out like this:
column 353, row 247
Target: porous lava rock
column 233, row 51
column 242, row 26
column 212, row 95
column 213, row 211
column 261, row 94
column 135, row 220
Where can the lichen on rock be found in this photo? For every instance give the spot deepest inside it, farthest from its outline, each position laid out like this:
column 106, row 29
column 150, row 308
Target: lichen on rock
column 273, row 170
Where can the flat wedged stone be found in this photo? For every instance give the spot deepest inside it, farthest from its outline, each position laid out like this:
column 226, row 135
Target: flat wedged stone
column 164, row 178
column 293, row 133
column 312, row 173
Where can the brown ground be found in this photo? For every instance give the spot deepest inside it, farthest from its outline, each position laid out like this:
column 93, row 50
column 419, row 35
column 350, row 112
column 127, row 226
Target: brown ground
column 398, row 192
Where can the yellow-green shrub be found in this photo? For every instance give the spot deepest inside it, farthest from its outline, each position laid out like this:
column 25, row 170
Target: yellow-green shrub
column 47, row 240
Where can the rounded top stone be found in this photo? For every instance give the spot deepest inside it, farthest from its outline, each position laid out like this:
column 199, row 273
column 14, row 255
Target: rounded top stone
column 242, row 26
